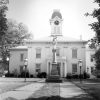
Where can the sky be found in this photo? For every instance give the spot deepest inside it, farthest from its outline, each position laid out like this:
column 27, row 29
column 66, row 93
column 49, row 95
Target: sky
column 37, row 13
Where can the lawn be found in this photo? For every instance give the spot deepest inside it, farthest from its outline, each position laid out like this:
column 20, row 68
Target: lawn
column 92, row 87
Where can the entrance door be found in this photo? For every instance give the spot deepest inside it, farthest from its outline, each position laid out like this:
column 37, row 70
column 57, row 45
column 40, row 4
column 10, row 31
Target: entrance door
column 58, row 67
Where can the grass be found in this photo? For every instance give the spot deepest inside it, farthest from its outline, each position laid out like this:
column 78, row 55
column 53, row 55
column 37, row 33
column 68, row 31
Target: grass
column 91, row 86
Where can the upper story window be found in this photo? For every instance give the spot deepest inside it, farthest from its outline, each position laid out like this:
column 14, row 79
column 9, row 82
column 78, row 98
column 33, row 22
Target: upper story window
column 22, row 57
column 74, row 53
column 57, row 52
column 38, row 53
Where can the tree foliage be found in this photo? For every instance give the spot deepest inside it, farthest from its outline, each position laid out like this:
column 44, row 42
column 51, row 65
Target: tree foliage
column 3, row 26
column 11, row 33
column 16, row 33
column 97, row 59
column 95, row 26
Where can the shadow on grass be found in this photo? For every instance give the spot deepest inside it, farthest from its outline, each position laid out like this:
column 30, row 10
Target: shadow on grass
column 81, row 97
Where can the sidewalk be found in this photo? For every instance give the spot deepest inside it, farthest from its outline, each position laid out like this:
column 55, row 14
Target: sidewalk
column 42, row 91
column 21, row 93
column 19, row 79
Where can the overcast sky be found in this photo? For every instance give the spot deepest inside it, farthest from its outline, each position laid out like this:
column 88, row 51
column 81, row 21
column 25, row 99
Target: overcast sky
column 36, row 14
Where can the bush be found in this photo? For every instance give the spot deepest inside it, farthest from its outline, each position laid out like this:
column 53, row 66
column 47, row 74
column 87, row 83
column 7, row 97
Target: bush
column 69, row 76
column 81, row 76
column 23, row 74
column 9, row 75
column 86, row 75
column 42, row 75
column 98, row 75
column 31, row 76
column 75, row 76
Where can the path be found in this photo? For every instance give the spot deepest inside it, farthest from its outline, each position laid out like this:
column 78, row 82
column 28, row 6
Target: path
column 43, row 91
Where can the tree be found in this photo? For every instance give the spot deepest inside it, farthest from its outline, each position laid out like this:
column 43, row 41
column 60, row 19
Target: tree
column 97, row 59
column 15, row 35
column 3, row 19
column 11, row 32
column 3, row 25
column 95, row 26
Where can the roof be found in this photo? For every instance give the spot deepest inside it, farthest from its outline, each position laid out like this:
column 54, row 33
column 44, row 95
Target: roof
column 59, row 39
column 56, row 13
column 20, row 48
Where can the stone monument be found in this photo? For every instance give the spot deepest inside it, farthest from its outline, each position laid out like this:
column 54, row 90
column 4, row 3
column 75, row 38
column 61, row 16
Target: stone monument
column 54, row 76
column 56, row 30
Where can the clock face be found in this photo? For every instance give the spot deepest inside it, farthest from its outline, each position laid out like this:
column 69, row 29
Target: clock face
column 56, row 22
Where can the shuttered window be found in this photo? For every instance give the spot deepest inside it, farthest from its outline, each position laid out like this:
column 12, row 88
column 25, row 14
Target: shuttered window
column 22, row 57
column 38, row 53
column 74, row 53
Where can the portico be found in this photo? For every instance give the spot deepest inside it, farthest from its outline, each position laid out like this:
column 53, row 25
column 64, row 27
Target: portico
column 61, row 66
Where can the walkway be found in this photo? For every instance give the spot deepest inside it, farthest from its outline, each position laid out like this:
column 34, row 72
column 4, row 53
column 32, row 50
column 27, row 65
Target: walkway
column 45, row 91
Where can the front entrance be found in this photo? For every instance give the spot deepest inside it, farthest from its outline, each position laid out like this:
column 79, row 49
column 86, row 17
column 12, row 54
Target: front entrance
column 61, row 67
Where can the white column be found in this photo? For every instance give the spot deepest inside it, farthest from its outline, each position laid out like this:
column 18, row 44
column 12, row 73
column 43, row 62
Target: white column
column 65, row 68
column 61, row 69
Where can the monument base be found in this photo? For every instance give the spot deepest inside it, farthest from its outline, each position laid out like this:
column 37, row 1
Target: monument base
column 54, row 77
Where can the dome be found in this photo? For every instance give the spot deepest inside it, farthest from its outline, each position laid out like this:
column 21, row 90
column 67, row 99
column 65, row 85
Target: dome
column 56, row 13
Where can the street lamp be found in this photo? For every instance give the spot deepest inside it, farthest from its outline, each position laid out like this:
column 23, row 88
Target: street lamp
column 25, row 65
column 80, row 66
column 8, row 64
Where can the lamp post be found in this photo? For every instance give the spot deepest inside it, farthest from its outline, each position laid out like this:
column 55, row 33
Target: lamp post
column 8, row 64
column 80, row 66
column 25, row 65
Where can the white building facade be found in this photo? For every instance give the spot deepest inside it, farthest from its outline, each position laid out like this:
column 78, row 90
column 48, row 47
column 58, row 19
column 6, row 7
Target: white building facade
column 40, row 56
column 90, row 62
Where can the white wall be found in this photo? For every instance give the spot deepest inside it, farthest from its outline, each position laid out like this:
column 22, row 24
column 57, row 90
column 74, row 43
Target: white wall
column 89, row 64
column 65, row 51
column 15, row 62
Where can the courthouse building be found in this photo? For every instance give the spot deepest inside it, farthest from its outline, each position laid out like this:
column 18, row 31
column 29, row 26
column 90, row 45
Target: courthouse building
column 40, row 56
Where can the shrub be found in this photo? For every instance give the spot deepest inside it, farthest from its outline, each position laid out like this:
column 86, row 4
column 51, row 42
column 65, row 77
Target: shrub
column 86, row 75
column 42, row 75
column 31, row 76
column 98, row 75
column 75, row 76
column 69, row 76
column 23, row 74
column 9, row 75
column 81, row 76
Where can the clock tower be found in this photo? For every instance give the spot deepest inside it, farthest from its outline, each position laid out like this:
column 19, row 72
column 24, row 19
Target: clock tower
column 56, row 23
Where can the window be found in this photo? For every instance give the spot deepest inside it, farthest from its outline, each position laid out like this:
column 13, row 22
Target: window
column 21, row 57
column 57, row 52
column 91, row 58
column 38, row 53
column 74, row 53
column 74, row 68
column 21, row 68
column 38, row 67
